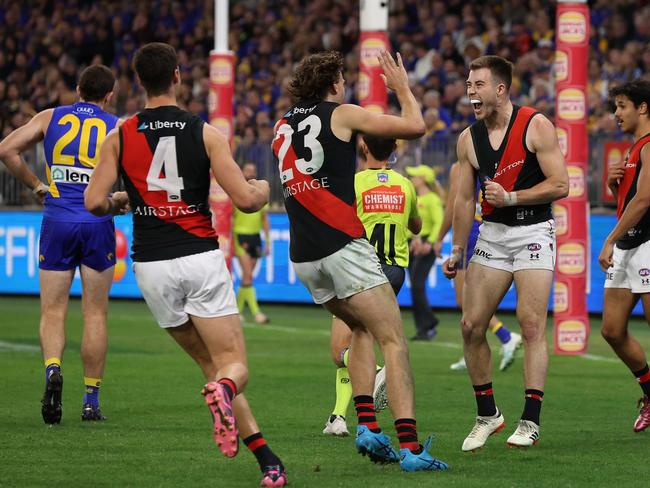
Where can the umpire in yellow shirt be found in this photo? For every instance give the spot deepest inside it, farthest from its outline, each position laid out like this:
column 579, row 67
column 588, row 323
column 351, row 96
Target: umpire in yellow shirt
column 248, row 249
column 386, row 205
column 423, row 255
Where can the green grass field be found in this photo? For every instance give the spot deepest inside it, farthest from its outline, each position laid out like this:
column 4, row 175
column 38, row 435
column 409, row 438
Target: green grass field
column 158, row 430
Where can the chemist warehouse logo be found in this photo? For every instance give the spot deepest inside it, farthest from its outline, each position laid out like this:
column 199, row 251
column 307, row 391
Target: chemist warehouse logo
column 70, row 174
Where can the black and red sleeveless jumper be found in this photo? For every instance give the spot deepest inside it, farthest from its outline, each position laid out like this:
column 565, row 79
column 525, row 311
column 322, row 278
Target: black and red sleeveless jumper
column 627, row 188
column 166, row 171
column 513, row 166
column 317, row 174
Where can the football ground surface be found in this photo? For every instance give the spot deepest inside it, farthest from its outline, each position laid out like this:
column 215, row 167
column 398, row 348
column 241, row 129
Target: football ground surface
column 158, row 429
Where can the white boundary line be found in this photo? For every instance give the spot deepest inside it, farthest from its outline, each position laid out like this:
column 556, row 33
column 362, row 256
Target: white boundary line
column 15, row 346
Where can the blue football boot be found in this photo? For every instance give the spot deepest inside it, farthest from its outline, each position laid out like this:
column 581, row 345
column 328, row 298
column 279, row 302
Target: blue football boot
column 420, row 462
column 375, row 445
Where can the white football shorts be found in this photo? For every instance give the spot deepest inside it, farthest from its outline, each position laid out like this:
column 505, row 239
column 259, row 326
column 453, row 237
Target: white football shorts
column 350, row 270
column 631, row 269
column 198, row 284
column 515, row 248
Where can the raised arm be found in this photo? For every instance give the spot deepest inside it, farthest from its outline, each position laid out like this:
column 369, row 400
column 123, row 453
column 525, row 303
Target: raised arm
column 464, row 206
column 20, row 140
column 636, row 208
column 542, row 140
column 96, row 196
column 347, row 118
column 248, row 196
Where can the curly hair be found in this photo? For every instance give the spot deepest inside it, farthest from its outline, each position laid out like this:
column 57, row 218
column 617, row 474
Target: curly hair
column 315, row 75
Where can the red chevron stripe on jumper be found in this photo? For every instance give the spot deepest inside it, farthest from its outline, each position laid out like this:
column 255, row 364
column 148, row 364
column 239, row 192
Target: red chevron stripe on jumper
column 322, row 204
column 514, row 155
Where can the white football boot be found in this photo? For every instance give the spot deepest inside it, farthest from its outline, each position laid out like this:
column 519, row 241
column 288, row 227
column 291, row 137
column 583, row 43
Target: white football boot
column 483, row 428
column 508, row 351
column 336, row 425
column 526, row 435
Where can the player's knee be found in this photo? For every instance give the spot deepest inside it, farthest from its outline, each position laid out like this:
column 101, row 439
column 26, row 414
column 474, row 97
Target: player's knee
column 532, row 329
column 613, row 335
column 471, row 332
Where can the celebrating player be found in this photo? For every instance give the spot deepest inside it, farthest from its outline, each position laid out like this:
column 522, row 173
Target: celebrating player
column 70, row 236
column 515, row 153
column 625, row 255
column 246, row 229
column 510, row 341
column 315, row 147
column 164, row 156
column 386, row 205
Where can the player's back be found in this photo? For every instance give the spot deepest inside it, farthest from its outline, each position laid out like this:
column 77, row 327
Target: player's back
column 71, row 147
column 317, row 174
column 385, row 202
column 166, row 172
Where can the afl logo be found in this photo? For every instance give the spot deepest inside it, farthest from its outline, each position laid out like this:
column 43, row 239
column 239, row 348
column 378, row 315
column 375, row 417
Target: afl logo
column 534, row 246
column 572, row 27
column 561, row 66
column 644, row 272
column 382, row 177
column 221, row 71
column 571, row 104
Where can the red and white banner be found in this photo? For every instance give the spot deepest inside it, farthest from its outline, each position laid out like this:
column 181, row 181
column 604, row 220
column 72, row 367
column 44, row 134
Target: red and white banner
column 371, row 89
column 220, row 111
column 613, row 152
column 572, row 52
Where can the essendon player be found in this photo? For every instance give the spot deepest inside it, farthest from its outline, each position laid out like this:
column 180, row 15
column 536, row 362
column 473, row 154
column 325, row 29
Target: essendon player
column 625, row 255
column 515, row 153
column 316, row 151
column 164, row 156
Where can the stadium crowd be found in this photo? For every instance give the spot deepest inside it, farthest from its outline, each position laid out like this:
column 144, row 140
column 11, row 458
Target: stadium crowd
column 45, row 44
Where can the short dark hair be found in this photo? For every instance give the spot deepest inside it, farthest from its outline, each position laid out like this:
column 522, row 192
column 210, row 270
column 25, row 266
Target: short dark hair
column 499, row 67
column 379, row 147
column 638, row 91
column 95, row 83
column 315, row 75
column 155, row 64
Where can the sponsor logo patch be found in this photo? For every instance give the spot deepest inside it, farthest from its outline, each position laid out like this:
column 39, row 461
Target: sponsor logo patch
column 384, row 199
column 571, row 258
column 644, row 272
column 571, row 104
column 572, row 27
column 482, row 253
column 534, row 246
column 220, row 71
column 571, row 335
column 70, row 174
column 560, row 297
column 161, row 124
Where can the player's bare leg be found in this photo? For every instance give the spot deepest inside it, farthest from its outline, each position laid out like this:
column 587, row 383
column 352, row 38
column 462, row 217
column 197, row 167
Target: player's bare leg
column 94, row 306
column 533, row 290
column 484, row 288
column 189, row 339
column 617, row 308
column 55, row 287
column 618, row 305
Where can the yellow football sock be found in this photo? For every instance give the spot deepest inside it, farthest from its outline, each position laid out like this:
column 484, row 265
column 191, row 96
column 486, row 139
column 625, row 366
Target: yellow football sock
column 343, row 392
column 252, row 300
column 496, row 327
column 241, row 298
column 52, row 362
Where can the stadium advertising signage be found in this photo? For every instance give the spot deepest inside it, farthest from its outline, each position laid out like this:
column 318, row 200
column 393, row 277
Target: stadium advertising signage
column 275, row 279
column 571, row 319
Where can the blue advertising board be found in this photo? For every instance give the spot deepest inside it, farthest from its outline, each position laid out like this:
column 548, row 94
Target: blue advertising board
column 275, row 279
